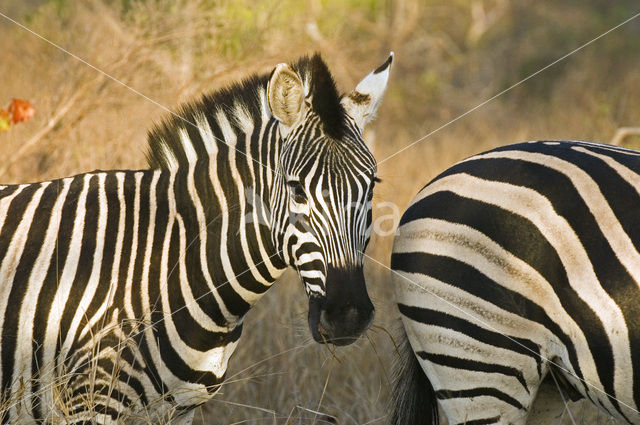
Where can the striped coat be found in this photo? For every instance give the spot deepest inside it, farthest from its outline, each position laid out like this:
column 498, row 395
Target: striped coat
column 514, row 263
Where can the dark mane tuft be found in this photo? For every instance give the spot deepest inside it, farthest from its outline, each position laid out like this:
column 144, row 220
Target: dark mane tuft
column 164, row 139
column 165, row 147
column 326, row 99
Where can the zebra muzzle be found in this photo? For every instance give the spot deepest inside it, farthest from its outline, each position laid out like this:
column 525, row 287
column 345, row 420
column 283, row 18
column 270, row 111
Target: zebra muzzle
column 345, row 313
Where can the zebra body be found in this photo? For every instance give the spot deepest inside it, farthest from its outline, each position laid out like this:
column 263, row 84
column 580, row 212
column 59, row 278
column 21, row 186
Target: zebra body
column 122, row 293
column 515, row 262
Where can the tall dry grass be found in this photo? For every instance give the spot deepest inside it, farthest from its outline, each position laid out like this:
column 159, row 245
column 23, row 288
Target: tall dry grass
column 450, row 57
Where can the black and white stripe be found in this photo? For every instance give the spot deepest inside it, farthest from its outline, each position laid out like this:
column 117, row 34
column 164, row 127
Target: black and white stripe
column 123, row 292
column 515, row 261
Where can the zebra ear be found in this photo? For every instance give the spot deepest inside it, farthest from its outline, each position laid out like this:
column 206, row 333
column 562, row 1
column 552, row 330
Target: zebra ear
column 285, row 94
column 361, row 104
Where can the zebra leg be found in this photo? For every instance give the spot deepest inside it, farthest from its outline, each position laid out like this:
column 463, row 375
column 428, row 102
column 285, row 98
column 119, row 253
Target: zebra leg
column 480, row 360
column 473, row 382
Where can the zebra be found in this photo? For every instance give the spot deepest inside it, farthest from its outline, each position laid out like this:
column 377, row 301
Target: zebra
column 123, row 292
column 515, row 264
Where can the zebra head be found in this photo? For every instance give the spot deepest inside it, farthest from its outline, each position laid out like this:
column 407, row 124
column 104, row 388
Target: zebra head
column 323, row 191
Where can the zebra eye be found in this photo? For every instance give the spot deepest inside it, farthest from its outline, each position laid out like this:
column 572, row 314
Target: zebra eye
column 297, row 192
column 373, row 184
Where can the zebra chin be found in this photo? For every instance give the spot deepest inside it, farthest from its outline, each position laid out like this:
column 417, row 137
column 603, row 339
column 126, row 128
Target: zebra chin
column 345, row 312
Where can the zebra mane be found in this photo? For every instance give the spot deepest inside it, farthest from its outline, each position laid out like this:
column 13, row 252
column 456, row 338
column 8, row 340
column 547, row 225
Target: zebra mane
column 168, row 148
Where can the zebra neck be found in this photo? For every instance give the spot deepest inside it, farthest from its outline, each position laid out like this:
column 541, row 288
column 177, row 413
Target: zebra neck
column 221, row 203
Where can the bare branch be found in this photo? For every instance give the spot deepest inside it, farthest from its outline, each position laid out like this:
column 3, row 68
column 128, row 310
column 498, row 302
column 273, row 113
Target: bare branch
column 624, row 132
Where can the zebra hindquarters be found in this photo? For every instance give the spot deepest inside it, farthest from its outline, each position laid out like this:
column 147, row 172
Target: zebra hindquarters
column 478, row 340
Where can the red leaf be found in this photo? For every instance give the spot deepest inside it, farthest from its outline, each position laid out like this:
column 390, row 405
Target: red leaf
column 21, row 110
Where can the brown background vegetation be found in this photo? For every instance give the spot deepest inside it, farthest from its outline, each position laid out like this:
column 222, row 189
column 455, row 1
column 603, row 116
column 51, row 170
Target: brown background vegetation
column 451, row 55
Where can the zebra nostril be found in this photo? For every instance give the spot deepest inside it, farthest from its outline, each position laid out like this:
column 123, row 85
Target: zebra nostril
column 323, row 324
column 344, row 326
column 351, row 315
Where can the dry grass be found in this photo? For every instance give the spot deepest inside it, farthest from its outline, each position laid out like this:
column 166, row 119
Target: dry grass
column 450, row 57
